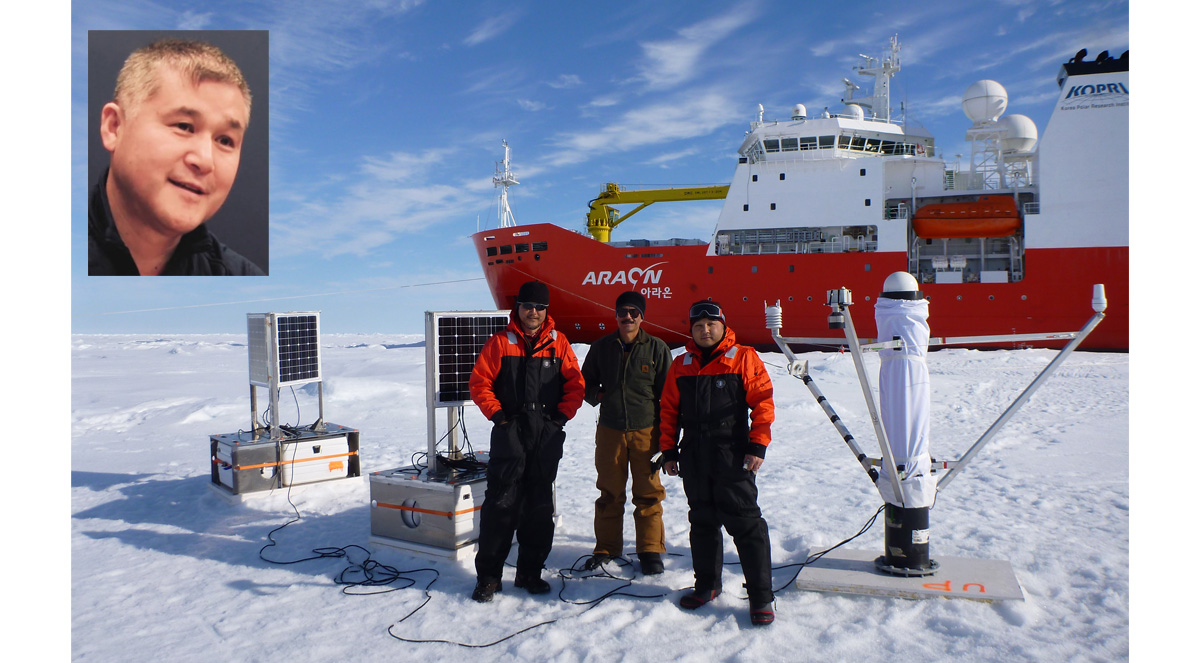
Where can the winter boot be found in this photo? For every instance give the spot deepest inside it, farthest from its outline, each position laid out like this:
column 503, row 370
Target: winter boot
column 532, row 583
column 652, row 563
column 485, row 590
column 762, row 614
column 698, row 597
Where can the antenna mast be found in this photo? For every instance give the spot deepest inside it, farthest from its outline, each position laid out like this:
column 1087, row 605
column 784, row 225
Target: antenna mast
column 504, row 177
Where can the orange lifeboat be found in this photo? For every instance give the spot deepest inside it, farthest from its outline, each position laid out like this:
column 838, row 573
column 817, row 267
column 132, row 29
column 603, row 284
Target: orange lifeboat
column 990, row 216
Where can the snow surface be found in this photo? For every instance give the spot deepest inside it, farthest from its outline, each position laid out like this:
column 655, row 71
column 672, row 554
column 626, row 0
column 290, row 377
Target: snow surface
column 163, row 567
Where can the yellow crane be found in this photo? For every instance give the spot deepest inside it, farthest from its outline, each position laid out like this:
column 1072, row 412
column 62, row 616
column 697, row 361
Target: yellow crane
column 602, row 218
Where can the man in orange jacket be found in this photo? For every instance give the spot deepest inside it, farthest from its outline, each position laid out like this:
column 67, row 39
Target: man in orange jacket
column 527, row 382
column 709, row 391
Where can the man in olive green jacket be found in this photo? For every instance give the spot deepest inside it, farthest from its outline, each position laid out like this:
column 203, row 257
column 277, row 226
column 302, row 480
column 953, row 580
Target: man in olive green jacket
column 624, row 374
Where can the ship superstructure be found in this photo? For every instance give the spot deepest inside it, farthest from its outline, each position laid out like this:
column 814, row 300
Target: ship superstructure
column 825, row 200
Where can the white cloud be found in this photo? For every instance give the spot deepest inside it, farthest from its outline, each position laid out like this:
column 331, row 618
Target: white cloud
column 604, row 101
column 490, row 29
column 565, row 81
column 671, row 62
column 531, row 105
column 696, row 113
column 194, row 21
column 664, row 159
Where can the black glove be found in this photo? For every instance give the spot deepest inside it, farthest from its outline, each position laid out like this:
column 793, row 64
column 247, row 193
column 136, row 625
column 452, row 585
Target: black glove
column 559, row 420
column 663, row 457
column 499, row 419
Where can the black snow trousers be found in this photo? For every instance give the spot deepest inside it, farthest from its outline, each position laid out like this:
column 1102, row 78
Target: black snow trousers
column 722, row 494
column 520, row 495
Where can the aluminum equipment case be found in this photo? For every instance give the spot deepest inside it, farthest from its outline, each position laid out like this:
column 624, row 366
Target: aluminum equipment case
column 243, row 462
column 433, row 515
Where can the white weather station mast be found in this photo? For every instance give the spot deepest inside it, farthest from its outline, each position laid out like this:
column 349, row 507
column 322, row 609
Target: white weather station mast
column 504, row 177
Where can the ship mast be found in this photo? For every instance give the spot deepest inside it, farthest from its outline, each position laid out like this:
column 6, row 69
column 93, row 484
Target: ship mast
column 877, row 105
column 504, row 177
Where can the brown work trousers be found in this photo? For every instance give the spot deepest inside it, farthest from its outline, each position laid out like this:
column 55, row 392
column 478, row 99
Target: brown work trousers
column 619, row 454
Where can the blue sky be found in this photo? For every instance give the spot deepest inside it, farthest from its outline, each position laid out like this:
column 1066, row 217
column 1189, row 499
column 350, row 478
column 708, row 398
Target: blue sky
column 386, row 121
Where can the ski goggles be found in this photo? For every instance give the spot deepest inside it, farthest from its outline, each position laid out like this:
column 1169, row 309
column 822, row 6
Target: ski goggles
column 530, row 306
column 708, row 310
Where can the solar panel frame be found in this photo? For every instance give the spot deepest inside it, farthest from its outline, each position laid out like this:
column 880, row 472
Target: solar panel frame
column 284, row 348
column 453, row 341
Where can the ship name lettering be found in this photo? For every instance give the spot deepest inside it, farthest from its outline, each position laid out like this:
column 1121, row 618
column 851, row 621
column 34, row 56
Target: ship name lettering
column 632, row 276
column 1103, row 88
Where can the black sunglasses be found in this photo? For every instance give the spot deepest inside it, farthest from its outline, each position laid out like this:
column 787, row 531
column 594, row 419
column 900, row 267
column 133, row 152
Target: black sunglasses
column 531, row 306
column 628, row 312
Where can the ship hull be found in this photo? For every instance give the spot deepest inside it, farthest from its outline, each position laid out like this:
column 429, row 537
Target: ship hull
column 585, row 277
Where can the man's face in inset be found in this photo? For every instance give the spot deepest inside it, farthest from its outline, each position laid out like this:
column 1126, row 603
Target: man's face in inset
column 175, row 153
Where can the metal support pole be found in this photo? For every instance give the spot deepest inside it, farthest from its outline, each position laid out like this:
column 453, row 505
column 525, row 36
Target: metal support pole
column 453, row 453
column 856, row 352
column 837, row 423
column 320, row 425
column 253, row 409
column 274, row 396
column 1098, row 304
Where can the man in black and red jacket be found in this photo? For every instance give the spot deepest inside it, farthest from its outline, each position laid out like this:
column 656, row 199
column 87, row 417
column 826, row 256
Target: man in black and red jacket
column 709, row 392
column 527, row 382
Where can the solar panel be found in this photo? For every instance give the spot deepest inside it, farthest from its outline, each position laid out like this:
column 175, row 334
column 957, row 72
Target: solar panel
column 453, row 342
column 284, row 348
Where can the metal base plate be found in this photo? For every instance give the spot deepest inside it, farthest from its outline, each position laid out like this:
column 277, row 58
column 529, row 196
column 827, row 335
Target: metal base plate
column 425, row 550
column 853, row 572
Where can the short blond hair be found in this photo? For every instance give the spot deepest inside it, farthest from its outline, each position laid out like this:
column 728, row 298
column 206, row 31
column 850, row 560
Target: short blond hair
column 196, row 60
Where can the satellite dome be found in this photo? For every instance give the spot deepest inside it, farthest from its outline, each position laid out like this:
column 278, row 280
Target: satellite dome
column 799, row 112
column 985, row 101
column 1020, row 133
column 854, row 111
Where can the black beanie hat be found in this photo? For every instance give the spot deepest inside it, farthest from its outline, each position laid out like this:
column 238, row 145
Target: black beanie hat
column 631, row 298
column 534, row 292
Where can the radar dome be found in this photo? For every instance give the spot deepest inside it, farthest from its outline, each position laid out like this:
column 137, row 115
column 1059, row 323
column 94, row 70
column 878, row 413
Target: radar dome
column 799, row 112
column 854, row 112
column 1020, row 133
column 985, row 101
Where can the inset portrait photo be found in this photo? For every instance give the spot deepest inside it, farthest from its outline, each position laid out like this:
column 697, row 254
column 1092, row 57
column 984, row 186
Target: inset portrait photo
column 177, row 153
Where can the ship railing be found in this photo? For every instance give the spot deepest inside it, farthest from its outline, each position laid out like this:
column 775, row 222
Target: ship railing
column 1032, row 207
column 895, row 212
